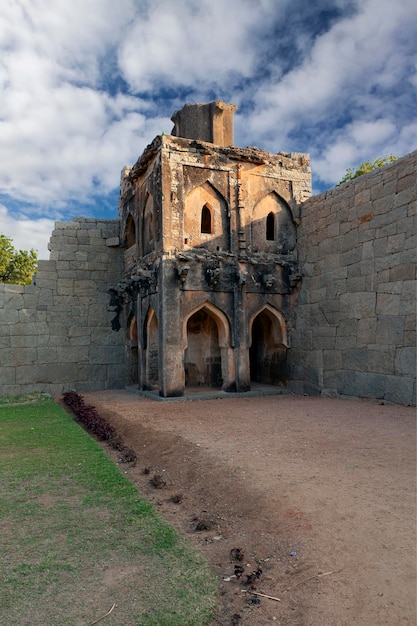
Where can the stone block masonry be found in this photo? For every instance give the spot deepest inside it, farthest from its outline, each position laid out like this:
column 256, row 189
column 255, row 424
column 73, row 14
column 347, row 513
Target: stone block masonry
column 355, row 329
column 223, row 271
column 56, row 334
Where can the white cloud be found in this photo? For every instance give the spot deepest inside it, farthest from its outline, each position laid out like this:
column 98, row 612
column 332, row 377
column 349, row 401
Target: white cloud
column 61, row 131
column 56, row 140
column 27, row 233
column 359, row 142
column 187, row 43
column 73, row 35
column 347, row 73
column 71, row 72
column 59, row 128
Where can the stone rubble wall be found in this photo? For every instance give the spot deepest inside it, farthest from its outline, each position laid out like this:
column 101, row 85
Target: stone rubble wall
column 56, row 334
column 356, row 312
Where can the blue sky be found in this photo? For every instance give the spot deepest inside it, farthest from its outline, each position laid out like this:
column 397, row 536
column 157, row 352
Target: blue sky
column 87, row 84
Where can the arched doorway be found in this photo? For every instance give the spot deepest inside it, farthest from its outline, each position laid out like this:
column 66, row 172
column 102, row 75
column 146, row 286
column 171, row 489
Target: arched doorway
column 202, row 359
column 151, row 344
column 268, row 348
column 133, row 356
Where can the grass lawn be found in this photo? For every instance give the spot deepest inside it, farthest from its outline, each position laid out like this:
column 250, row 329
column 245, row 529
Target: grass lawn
column 76, row 538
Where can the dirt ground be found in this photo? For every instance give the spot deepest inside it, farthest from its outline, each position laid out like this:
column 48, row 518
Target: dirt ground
column 320, row 493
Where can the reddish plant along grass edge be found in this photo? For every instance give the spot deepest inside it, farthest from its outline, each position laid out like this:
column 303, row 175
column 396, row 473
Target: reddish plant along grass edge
column 88, row 415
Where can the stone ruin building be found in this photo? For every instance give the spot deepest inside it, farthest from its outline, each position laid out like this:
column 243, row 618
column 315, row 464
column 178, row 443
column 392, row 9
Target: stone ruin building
column 223, row 271
column 211, row 272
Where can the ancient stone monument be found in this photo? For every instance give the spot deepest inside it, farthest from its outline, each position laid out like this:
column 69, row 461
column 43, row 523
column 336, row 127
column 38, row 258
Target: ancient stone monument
column 211, row 271
column 223, row 271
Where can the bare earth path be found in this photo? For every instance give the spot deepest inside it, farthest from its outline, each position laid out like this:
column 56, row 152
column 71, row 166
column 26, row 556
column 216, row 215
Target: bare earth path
column 303, row 486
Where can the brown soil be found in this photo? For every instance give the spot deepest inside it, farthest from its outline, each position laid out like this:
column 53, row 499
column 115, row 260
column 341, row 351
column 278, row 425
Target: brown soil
column 320, row 493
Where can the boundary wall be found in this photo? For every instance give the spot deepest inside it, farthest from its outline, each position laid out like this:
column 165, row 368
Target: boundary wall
column 356, row 312
column 56, row 333
column 355, row 329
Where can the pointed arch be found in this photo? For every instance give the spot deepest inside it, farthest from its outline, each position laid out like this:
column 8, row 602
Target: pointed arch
column 222, row 322
column 206, row 218
column 208, row 356
column 151, row 347
column 130, row 231
column 272, row 228
column 268, row 346
column 133, row 352
column 132, row 328
column 280, row 335
column 148, row 226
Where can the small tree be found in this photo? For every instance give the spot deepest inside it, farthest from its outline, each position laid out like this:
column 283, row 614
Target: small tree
column 16, row 266
column 351, row 173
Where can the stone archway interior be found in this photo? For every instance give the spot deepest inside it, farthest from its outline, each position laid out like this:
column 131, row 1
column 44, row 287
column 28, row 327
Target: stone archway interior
column 152, row 353
column 134, row 356
column 267, row 353
column 202, row 359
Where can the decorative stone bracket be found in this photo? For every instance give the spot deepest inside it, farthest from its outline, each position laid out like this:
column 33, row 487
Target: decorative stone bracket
column 182, row 273
column 213, row 275
column 268, row 280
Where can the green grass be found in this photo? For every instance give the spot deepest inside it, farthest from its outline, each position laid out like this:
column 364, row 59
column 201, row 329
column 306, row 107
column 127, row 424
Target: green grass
column 75, row 536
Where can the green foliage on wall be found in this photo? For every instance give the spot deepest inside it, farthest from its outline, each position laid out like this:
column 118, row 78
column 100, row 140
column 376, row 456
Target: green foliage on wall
column 365, row 167
column 16, row 266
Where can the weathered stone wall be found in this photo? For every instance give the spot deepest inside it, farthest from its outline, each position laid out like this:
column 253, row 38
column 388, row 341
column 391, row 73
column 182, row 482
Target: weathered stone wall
column 356, row 311
column 219, row 272
column 349, row 325
column 56, row 333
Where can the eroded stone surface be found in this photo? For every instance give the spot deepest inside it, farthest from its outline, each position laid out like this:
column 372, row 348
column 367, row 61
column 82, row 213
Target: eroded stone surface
column 222, row 270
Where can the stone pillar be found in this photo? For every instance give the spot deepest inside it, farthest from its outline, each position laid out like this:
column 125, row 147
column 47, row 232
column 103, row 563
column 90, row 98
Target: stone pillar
column 171, row 367
column 242, row 370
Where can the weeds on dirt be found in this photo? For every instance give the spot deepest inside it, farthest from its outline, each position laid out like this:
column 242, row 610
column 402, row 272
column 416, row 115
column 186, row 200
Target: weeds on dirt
column 253, row 577
column 158, row 481
column 129, row 456
column 117, row 443
column 202, row 522
column 237, row 554
column 71, row 522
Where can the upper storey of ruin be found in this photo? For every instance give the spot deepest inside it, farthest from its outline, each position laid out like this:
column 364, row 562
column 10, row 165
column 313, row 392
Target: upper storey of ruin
column 211, row 122
column 206, row 130
column 194, row 189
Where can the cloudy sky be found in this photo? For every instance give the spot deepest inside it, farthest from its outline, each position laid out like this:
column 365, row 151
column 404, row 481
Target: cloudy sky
column 87, row 84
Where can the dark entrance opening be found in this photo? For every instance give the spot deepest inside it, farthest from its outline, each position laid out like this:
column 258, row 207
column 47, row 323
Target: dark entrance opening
column 133, row 356
column 267, row 353
column 202, row 359
column 151, row 343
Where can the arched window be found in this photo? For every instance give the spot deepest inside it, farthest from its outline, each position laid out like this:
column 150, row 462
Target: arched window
column 206, row 225
column 130, row 232
column 150, row 227
column 270, row 227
